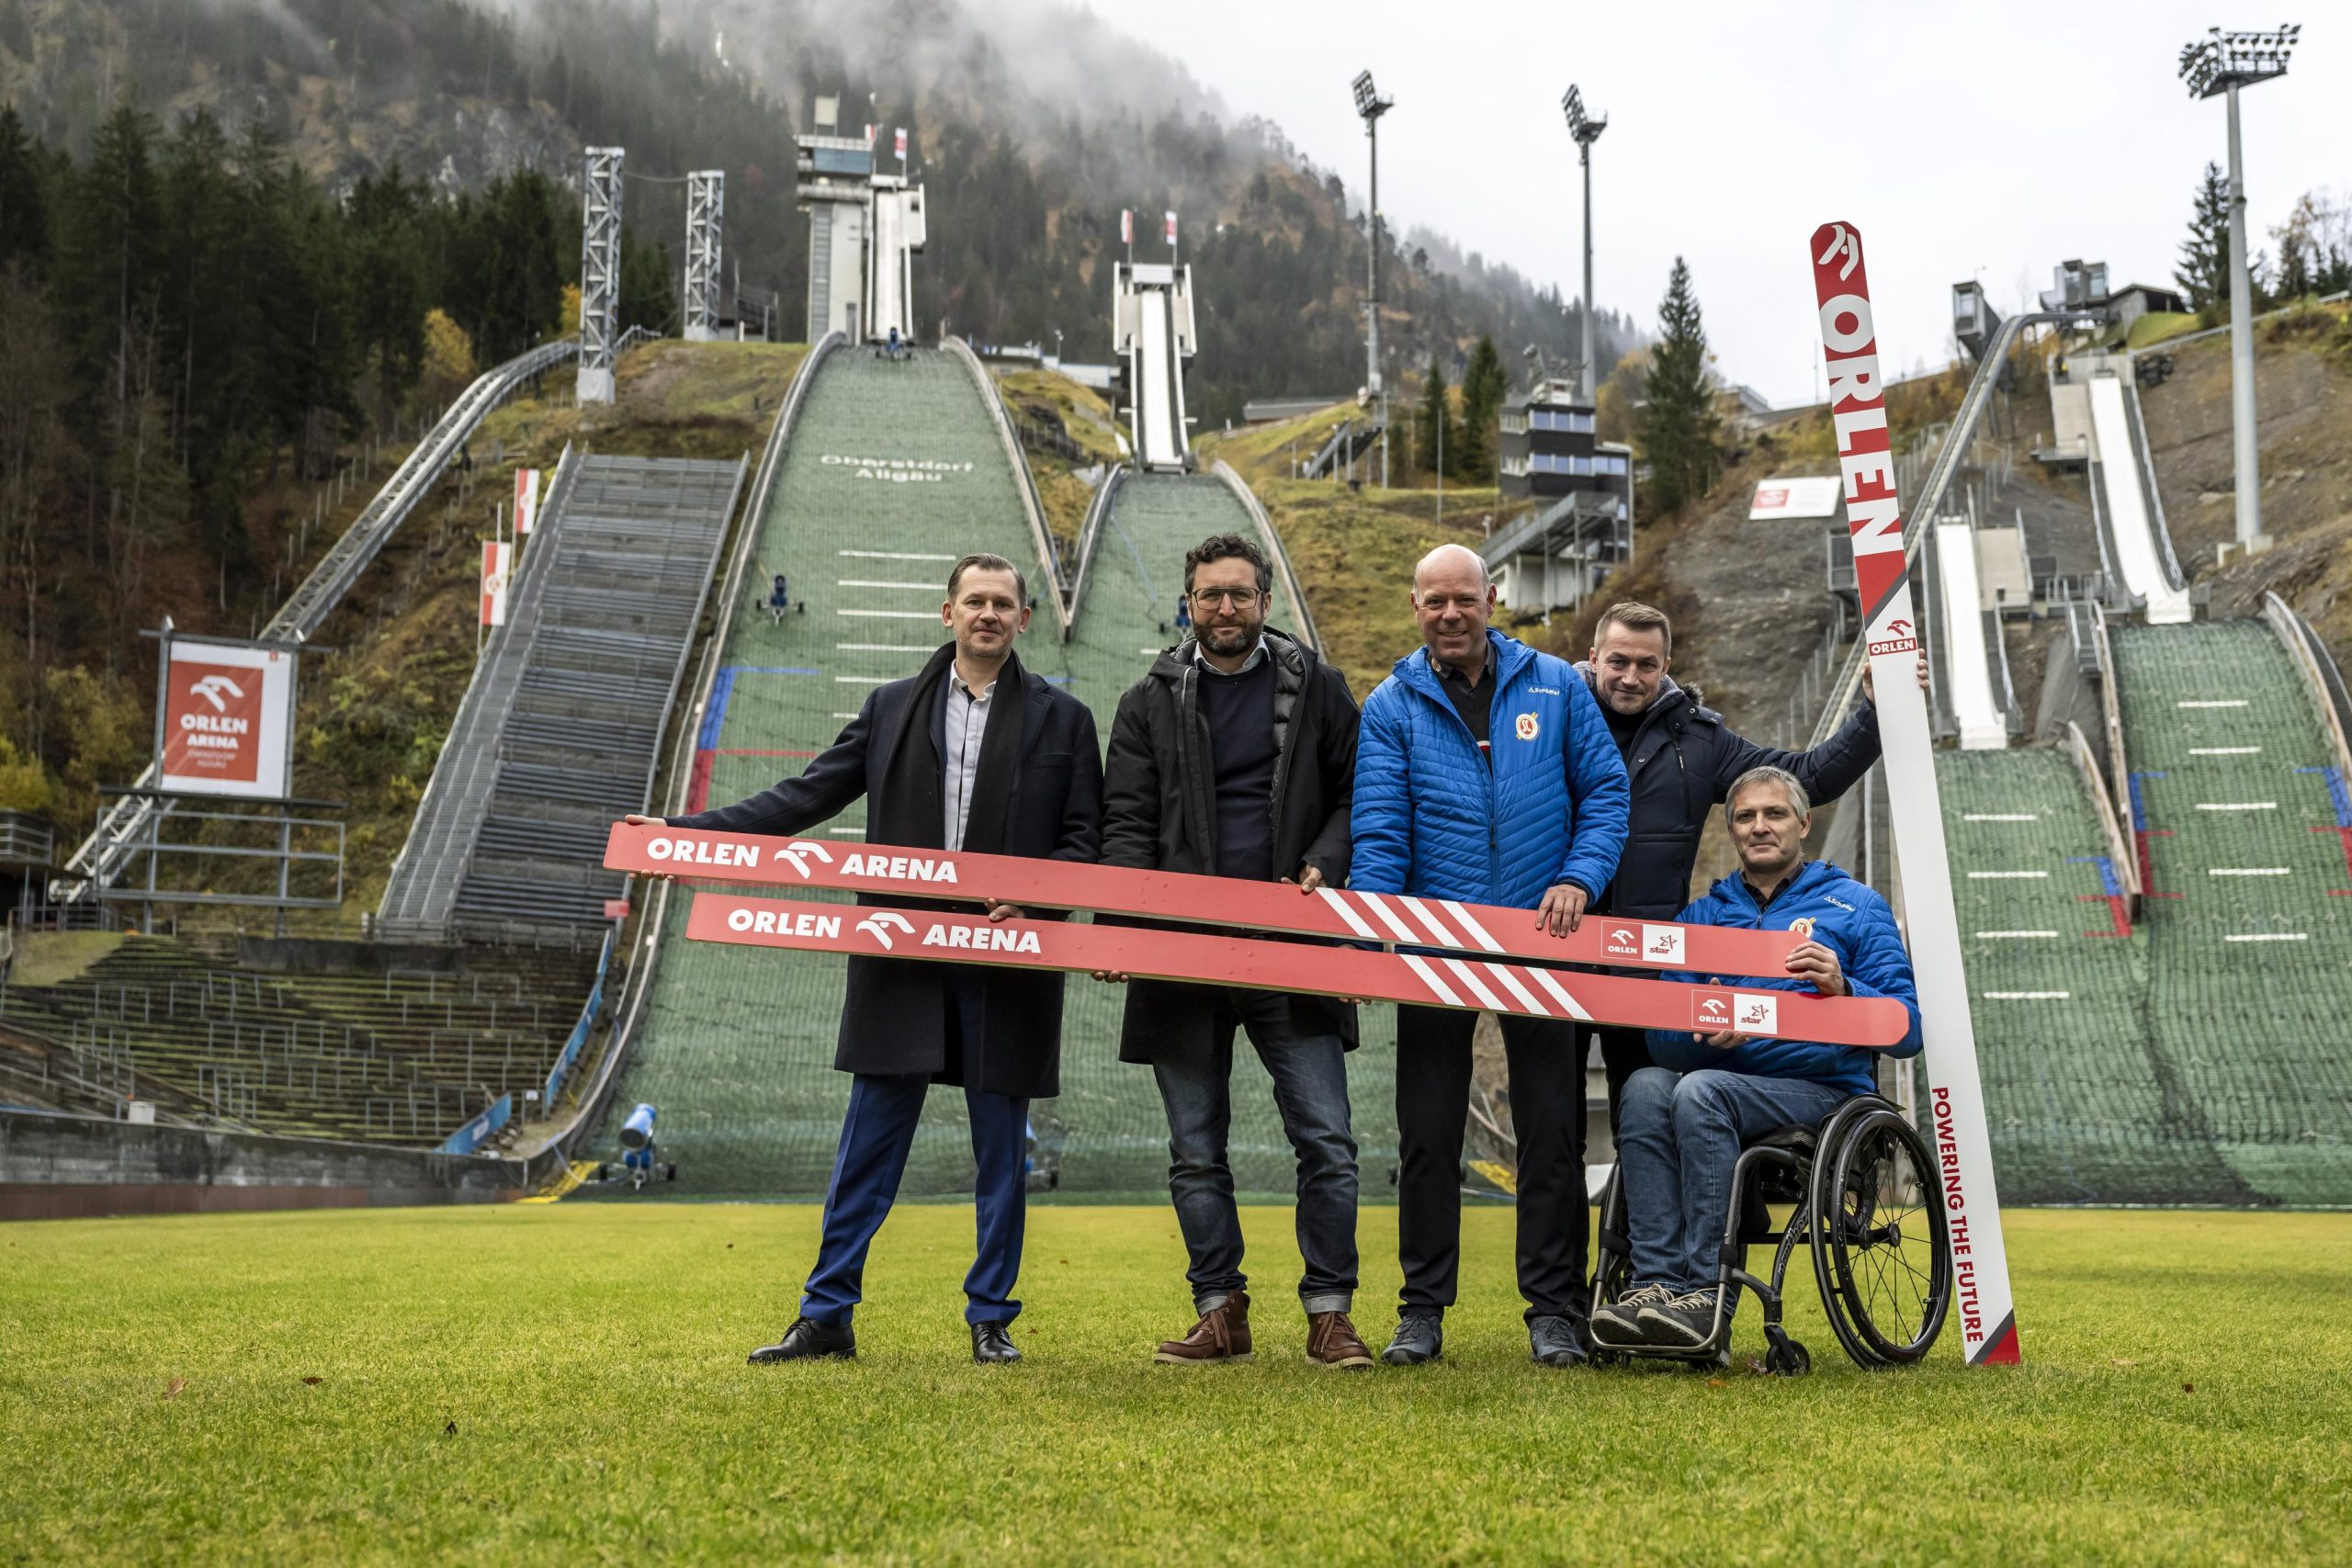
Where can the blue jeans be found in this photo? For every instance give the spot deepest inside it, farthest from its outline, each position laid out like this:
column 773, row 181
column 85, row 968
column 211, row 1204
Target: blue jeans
column 1311, row 1074
column 1678, row 1136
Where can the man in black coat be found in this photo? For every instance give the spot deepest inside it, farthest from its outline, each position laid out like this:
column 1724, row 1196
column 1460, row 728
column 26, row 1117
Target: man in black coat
column 1681, row 760
column 1236, row 756
column 974, row 754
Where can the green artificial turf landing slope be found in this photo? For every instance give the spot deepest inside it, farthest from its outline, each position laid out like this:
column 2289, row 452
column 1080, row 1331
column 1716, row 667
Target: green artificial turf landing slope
column 567, row 1384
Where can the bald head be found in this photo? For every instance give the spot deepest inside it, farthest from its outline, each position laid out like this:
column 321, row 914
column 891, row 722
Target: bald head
column 1450, row 564
column 1451, row 600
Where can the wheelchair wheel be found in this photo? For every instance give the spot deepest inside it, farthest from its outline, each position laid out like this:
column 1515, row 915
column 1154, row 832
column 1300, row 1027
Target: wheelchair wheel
column 1879, row 1252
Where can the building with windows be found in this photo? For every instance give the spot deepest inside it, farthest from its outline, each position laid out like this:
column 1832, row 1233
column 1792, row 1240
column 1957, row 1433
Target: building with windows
column 1583, row 487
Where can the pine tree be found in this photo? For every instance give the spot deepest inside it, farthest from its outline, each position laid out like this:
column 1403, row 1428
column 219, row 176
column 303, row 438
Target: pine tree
column 24, row 211
column 1484, row 387
column 1679, row 427
column 1435, row 436
column 2204, row 270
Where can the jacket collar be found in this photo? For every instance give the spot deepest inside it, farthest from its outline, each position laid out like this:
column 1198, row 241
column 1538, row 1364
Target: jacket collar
column 1286, row 650
column 1511, row 656
column 1809, row 878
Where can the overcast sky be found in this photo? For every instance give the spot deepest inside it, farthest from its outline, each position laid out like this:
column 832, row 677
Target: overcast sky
column 1991, row 142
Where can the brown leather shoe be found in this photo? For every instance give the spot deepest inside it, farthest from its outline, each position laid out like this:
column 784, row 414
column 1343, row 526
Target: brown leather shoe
column 1333, row 1341
column 1222, row 1335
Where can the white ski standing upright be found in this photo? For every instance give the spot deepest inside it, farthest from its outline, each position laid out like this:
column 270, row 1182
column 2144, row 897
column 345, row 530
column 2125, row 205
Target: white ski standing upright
column 1981, row 1303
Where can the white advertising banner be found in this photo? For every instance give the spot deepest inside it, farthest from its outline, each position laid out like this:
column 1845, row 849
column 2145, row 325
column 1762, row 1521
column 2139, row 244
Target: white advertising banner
column 1796, row 497
column 226, row 711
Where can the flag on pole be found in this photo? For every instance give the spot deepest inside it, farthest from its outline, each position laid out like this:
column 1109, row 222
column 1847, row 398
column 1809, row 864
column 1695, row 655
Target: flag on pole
column 1126, row 225
column 903, row 144
column 496, row 557
column 527, row 500
column 1171, row 227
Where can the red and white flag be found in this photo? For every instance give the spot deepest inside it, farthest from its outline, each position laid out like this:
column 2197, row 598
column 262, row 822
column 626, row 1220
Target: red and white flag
column 872, row 130
column 1953, row 1117
column 527, row 500
column 1126, row 225
column 497, row 558
column 903, row 144
column 1172, row 226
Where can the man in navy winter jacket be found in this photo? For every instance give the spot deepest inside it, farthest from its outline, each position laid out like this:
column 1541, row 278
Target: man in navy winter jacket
column 1485, row 773
column 1685, row 1120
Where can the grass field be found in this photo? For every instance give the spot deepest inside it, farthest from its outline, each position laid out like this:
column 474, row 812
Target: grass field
column 567, row 1384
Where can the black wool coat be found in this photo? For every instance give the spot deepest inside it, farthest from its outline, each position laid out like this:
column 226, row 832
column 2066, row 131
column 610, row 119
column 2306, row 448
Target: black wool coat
column 895, row 1018
column 1159, row 811
column 1681, row 765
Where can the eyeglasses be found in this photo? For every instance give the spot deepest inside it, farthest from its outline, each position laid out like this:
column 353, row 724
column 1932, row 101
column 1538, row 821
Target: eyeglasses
column 1242, row 598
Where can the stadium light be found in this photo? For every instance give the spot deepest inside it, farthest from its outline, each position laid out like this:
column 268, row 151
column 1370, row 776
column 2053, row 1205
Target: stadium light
column 1370, row 107
column 1586, row 130
column 2214, row 66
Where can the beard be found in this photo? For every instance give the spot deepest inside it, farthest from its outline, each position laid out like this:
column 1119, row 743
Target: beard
column 1226, row 640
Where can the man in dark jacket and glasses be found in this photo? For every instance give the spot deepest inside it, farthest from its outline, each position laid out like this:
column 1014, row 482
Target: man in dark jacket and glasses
column 1236, row 756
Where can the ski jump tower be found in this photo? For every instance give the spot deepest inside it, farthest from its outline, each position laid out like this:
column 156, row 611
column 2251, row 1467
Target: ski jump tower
column 706, row 213
column 865, row 229
column 1151, row 324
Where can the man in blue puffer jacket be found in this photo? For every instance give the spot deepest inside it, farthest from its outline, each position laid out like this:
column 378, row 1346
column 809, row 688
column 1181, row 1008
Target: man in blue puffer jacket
column 1486, row 773
column 1685, row 1120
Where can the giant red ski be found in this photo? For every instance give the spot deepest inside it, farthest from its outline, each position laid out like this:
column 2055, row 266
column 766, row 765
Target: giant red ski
column 1390, row 920
column 1955, row 1121
column 1424, row 979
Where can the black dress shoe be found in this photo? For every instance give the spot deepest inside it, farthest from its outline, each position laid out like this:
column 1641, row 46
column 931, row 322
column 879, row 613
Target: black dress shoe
column 991, row 1345
column 808, row 1340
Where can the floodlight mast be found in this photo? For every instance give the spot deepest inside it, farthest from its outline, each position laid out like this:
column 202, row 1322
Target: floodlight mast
column 2218, row 65
column 1587, row 131
column 1370, row 107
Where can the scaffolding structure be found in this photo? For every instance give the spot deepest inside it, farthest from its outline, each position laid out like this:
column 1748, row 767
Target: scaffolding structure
column 706, row 210
column 600, row 274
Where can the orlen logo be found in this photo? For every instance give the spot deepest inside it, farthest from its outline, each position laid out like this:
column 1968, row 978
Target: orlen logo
column 210, row 688
column 1618, row 942
column 1710, row 1011
column 1662, row 944
column 795, row 852
column 880, row 926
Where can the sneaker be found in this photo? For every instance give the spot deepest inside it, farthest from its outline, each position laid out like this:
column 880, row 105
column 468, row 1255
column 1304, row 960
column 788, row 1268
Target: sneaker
column 1420, row 1337
column 1619, row 1322
column 1333, row 1341
column 1687, row 1321
column 1554, row 1342
column 1221, row 1335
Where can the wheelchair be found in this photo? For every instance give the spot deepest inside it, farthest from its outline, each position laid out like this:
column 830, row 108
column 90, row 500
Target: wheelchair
column 1866, row 1206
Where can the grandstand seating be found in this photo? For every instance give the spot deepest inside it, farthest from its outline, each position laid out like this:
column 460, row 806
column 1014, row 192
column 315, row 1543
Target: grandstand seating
column 560, row 731
column 397, row 1056
column 2245, row 833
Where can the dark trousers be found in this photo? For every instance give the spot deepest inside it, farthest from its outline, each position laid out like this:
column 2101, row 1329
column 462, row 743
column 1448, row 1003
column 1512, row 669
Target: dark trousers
column 1624, row 1053
column 1311, row 1074
column 877, row 1133
column 1547, row 1114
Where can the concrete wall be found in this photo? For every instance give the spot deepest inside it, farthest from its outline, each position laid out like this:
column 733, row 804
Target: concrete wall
column 54, row 1166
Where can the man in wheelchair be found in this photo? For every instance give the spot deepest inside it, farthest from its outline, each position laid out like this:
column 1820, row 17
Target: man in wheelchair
column 1685, row 1121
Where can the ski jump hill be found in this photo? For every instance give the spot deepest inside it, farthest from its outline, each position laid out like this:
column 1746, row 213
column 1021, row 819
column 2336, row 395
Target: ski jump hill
column 882, row 473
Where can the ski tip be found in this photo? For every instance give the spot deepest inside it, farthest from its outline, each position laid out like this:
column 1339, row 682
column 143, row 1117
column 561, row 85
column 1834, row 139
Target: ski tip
column 2000, row 1348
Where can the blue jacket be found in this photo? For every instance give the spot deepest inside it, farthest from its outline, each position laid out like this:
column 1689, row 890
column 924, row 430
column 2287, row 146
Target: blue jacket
column 1850, row 921
column 1432, row 817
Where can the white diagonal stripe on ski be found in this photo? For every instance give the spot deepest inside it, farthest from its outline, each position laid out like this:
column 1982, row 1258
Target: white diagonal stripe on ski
column 1523, row 993
column 1355, row 922
column 1378, row 905
column 1559, row 993
column 1420, row 966
column 1430, row 923
column 1475, row 985
column 1470, row 924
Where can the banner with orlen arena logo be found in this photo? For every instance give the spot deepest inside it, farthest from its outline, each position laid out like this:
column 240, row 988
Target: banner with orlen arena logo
column 224, row 712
